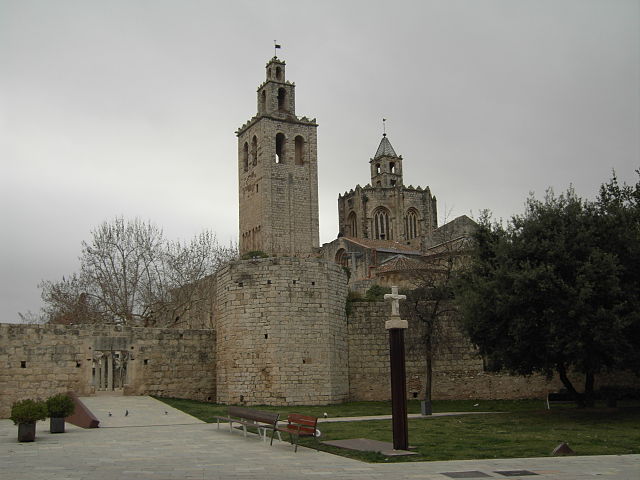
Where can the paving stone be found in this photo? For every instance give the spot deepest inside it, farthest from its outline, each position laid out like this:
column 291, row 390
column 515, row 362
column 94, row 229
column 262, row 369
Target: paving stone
column 468, row 474
column 200, row 450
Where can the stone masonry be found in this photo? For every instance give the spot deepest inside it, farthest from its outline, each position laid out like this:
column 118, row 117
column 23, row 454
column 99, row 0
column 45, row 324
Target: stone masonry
column 278, row 173
column 386, row 209
column 281, row 332
column 459, row 372
column 37, row 361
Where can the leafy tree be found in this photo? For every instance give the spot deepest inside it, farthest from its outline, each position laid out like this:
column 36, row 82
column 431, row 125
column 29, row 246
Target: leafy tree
column 556, row 290
column 130, row 275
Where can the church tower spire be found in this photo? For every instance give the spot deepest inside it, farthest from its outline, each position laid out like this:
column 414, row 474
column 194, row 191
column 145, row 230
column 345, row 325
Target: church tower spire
column 386, row 165
column 278, row 172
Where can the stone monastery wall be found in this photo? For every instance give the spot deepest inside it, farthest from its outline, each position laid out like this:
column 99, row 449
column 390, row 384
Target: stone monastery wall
column 37, row 361
column 276, row 342
column 281, row 332
column 458, row 370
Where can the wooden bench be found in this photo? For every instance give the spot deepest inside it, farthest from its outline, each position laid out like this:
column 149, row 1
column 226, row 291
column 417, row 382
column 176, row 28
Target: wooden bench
column 247, row 417
column 299, row 426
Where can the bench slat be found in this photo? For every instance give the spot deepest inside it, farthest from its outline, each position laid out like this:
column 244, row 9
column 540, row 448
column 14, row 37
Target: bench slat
column 299, row 426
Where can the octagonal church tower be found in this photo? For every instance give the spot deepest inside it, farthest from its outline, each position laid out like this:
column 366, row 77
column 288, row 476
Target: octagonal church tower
column 281, row 329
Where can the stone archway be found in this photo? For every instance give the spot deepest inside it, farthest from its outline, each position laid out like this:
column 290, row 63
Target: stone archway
column 110, row 370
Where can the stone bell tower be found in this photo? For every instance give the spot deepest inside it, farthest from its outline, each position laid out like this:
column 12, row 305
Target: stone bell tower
column 278, row 172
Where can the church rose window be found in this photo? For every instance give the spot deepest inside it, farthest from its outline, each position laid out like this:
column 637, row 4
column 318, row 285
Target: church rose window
column 381, row 224
column 299, row 150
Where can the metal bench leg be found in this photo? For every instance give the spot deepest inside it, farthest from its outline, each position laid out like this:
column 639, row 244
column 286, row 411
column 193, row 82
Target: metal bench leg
column 273, row 435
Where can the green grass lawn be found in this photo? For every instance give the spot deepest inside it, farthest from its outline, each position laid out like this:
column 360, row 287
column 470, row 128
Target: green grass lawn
column 525, row 429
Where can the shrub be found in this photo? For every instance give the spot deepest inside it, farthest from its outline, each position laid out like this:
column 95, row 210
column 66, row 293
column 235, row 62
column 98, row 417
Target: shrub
column 60, row 406
column 376, row 293
column 28, row 411
column 254, row 254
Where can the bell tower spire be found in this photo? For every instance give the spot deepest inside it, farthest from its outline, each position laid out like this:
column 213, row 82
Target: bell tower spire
column 386, row 165
column 278, row 172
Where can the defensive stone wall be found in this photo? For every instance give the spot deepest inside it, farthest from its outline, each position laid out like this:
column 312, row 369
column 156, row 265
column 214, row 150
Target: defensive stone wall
column 458, row 370
column 37, row 361
column 281, row 332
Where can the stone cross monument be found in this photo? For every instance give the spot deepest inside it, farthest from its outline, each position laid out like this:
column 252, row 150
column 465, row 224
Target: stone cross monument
column 396, row 327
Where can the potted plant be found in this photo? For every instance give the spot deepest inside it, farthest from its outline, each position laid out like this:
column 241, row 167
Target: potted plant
column 59, row 406
column 25, row 414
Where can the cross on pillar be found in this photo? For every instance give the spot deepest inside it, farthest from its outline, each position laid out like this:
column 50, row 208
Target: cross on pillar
column 396, row 326
column 395, row 301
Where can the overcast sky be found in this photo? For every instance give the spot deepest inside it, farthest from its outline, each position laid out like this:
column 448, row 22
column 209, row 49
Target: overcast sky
column 129, row 108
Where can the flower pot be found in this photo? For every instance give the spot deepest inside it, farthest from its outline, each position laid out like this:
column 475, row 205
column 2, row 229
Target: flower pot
column 56, row 424
column 26, row 432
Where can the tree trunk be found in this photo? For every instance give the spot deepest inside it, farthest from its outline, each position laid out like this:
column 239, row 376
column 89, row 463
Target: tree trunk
column 425, row 407
column 562, row 372
column 588, row 389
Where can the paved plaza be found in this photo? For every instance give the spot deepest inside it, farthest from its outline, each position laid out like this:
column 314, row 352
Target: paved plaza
column 146, row 439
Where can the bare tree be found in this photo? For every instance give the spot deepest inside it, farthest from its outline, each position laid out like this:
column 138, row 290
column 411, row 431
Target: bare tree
column 130, row 275
column 31, row 317
column 431, row 300
column 187, row 281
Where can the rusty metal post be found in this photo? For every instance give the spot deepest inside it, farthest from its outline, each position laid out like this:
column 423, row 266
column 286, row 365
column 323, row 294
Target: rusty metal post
column 398, row 390
column 396, row 327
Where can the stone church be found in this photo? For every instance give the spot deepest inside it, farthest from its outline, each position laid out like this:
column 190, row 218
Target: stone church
column 277, row 330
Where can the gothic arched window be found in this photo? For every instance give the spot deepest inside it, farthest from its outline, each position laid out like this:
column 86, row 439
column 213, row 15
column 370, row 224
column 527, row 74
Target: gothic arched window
column 299, row 150
column 245, row 156
column 353, row 224
column 263, row 101
column 280, row 148
column 254, row 150
column 411, row 224
column 381, row 229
